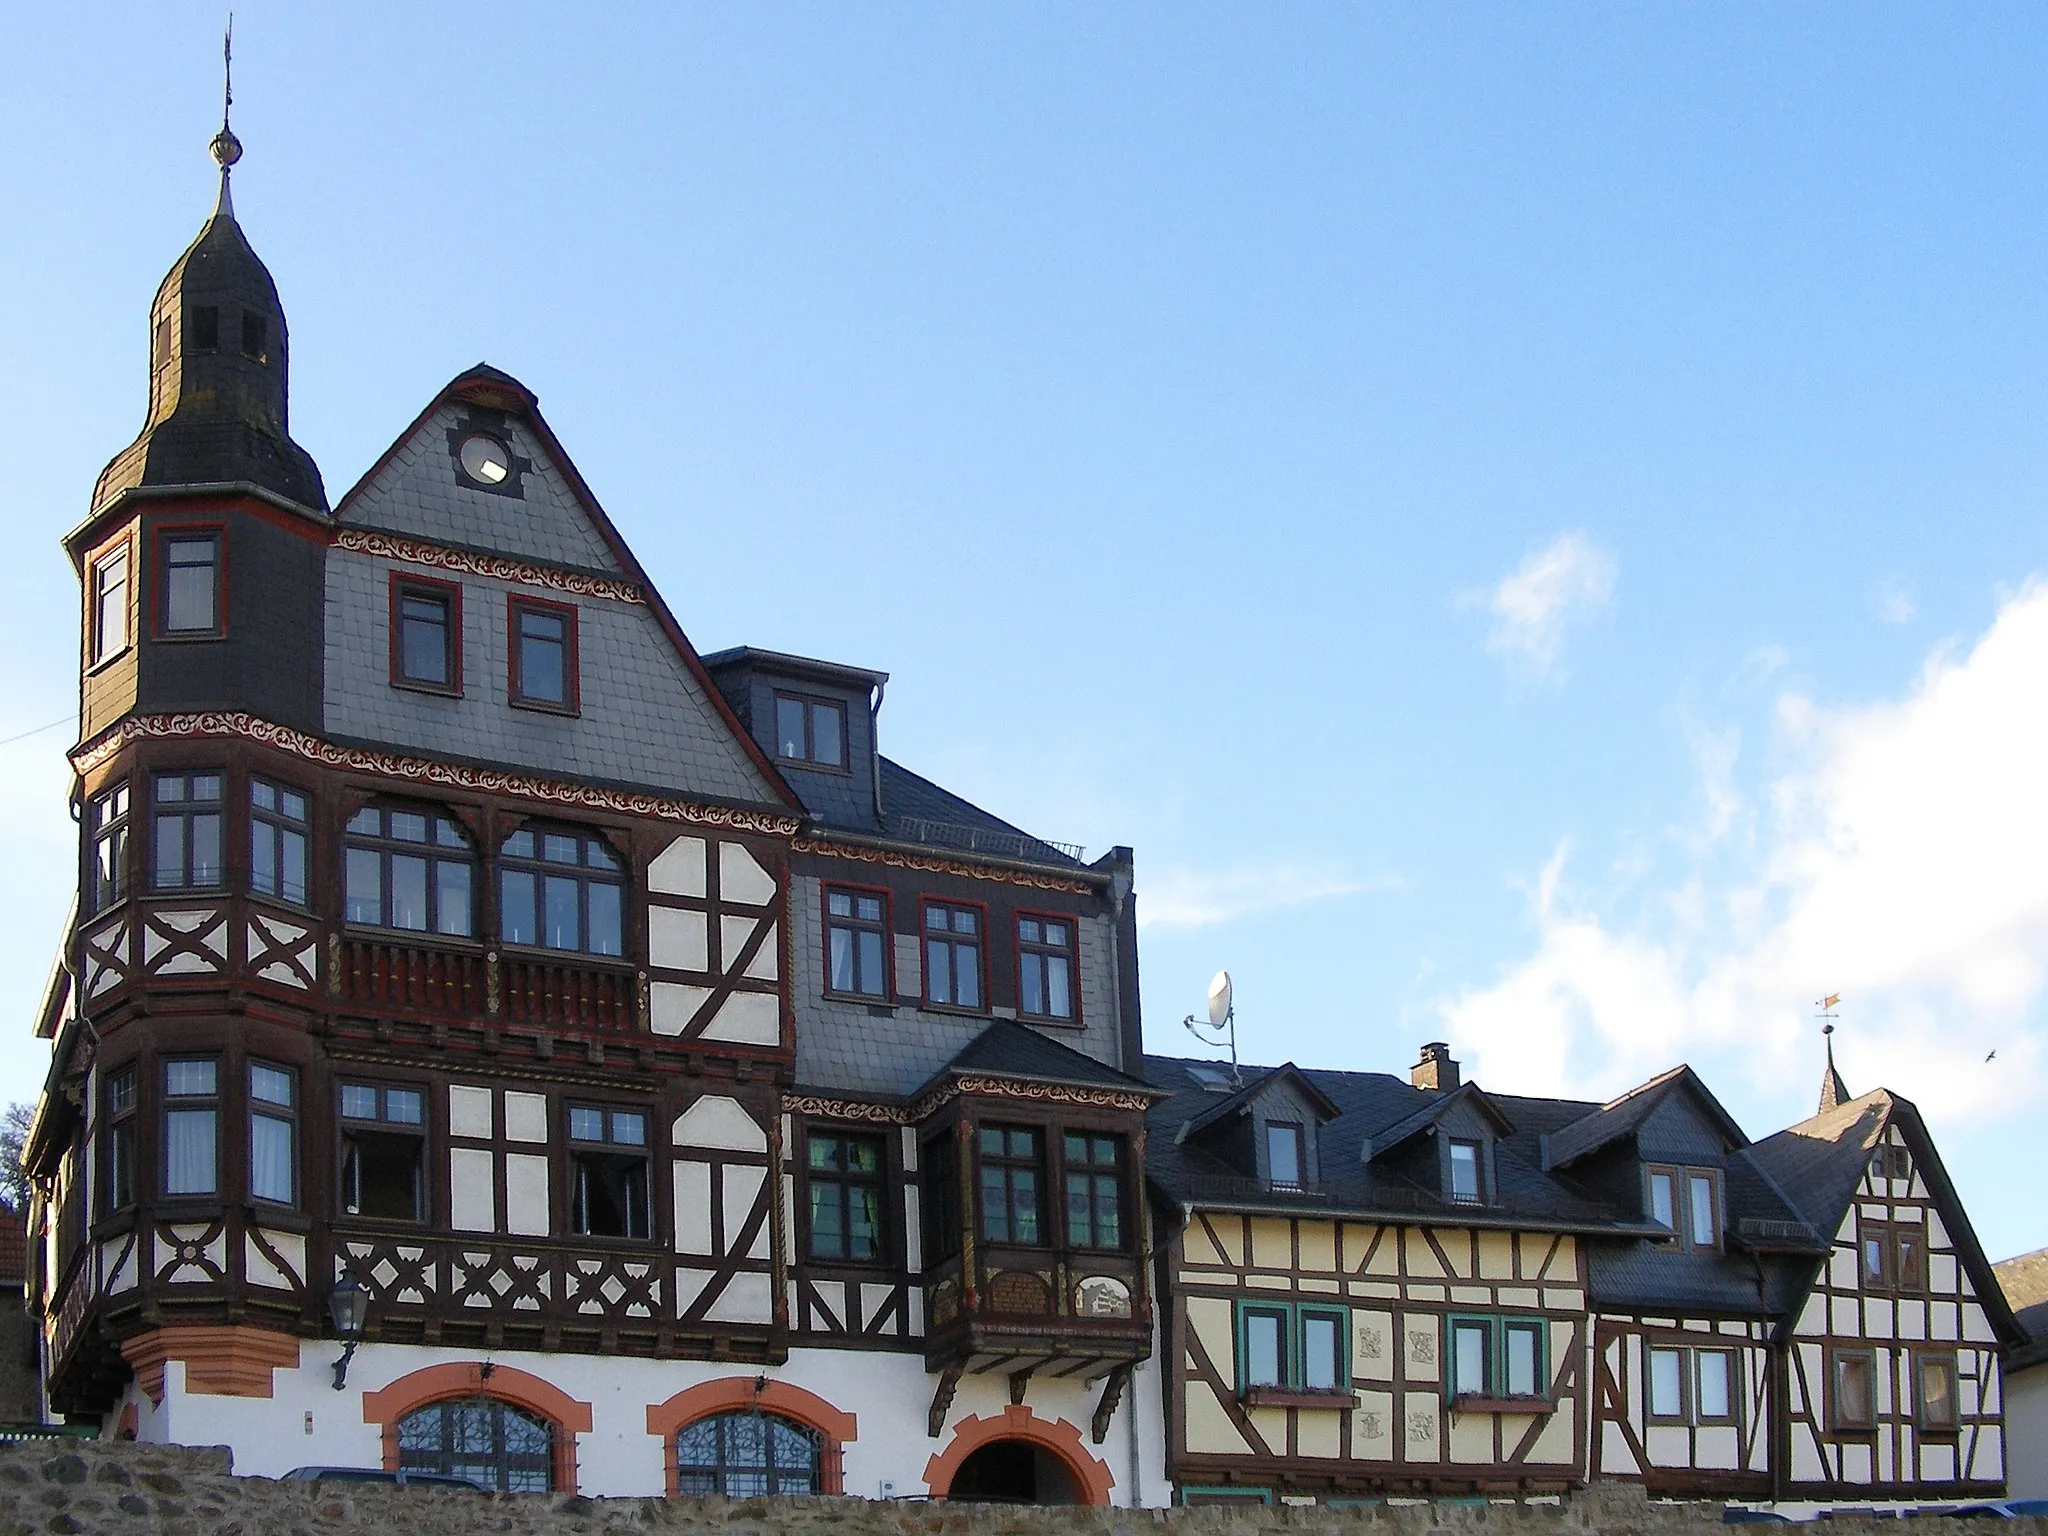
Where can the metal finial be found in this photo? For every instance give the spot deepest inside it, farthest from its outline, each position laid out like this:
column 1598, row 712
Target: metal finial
column 226, row 148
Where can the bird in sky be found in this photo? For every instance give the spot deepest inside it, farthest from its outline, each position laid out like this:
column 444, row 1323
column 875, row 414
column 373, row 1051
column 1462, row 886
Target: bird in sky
column 1991, row 1054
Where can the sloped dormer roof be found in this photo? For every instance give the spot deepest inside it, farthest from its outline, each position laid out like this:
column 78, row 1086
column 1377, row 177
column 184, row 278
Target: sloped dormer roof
column 1262, row 1082
column 1624, row 1116
column 1441, row 1104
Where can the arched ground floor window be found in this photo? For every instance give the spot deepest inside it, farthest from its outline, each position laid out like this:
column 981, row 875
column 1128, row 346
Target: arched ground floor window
column 494, row 1443
column 745, row 1454
column 748, row 1435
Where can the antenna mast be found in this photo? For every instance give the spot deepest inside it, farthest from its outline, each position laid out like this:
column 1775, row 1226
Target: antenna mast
column 1222, row 1022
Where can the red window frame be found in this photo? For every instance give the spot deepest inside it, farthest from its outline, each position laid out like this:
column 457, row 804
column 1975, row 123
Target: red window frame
column 160, row 575
column 401, row 583
column 571, row 661
column 1073, row 1020
column 888, row 993
column 924, row 969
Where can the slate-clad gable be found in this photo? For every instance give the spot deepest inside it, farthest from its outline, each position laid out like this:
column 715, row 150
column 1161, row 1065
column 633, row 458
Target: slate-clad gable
column 418, row 492
column 644, row 720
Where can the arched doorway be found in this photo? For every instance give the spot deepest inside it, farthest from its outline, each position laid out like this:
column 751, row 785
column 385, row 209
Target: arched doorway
column 1014, row 1455
column 1013, row 1472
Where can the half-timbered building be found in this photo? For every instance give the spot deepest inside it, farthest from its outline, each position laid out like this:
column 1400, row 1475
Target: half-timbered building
column 1380, row 1288
column 694, row 1098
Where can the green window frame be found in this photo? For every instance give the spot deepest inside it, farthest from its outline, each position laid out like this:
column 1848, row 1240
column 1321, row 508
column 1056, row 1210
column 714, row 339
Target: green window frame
column 1514, row 1356
column 1306, row 1333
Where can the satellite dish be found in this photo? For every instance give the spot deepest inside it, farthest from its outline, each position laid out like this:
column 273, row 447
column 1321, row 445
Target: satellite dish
column 1219, row 999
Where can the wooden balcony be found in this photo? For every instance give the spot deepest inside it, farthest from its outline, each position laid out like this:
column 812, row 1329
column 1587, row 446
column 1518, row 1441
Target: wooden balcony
column 389, row 974
column 1037, row 1310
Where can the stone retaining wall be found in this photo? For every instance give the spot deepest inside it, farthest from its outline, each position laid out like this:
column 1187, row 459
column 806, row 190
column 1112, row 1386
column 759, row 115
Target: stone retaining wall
column 89, row 1487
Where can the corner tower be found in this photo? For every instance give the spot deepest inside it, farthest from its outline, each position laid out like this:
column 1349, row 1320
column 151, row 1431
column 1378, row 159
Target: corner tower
column 202, row 554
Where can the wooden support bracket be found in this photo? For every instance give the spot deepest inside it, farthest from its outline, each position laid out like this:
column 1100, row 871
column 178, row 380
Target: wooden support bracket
column 942, row 1401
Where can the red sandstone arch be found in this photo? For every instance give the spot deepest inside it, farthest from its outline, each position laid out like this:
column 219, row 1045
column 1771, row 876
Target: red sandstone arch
column 1091, row 1477
column 833, row 1426
column 473, row 1378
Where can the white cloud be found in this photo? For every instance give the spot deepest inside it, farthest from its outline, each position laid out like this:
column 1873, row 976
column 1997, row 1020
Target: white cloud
column 1557, row 588
column 1186, row 898
column 1903, row 862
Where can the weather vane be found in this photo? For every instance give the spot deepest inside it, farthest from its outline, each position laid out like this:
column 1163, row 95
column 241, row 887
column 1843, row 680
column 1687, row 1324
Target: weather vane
column 1222, row 1021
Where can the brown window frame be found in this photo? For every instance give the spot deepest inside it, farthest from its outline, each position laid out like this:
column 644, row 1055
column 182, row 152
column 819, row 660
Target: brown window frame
column 98, row 652
column 811, row 703
column 925, row 937
column 1947, row 1359
column 351, row 1128
column 589, row 1156
column 1836, row 1424
column 449, row 595
column 1010, row 1164
column 1088, row 1169
column 518, row 604
column 122, row 1116
column 168, row 1104
column 161, row 538
column 1682, row 1176
column 857, row 925
column 285, row 1114
column 185, row 812
column 841, row 1181
column 1901, row 1247
column 109, row 826
column 1029, row 951
column 939, row 1212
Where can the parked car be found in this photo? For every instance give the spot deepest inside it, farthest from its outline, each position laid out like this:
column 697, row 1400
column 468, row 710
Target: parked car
column 379, row 1475
column 1998, row 1509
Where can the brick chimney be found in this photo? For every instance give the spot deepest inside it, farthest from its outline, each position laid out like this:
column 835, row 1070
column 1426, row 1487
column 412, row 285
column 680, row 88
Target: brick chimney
column 1436, row 1071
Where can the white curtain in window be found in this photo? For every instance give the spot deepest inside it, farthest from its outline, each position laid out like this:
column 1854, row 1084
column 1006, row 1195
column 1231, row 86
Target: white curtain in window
column 270, row 1159
column 189, row 1143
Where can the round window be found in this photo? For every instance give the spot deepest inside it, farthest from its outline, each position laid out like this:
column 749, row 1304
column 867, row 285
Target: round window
column 485, row 460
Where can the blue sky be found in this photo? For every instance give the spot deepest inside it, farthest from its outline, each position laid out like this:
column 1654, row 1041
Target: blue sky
column 1525, row 517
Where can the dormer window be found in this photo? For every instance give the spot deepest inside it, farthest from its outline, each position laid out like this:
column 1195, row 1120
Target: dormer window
column 1466, row 1185
column 1283, row 1155
column 1688, row 1201
column 810, row 730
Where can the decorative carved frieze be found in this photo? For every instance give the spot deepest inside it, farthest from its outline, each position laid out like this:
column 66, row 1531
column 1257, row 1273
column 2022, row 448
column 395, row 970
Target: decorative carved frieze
column 861, row 1111
column 493, row 781
column 967, row 869
column 364, row 541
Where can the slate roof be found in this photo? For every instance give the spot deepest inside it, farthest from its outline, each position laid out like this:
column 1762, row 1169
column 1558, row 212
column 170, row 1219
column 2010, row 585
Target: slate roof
column 2025, row 1283
column 1432, row 1112
column 1009, row 1049
column 919, row 811
column 1624, row 1115
column 1366, row 1103
column 1228, row 1104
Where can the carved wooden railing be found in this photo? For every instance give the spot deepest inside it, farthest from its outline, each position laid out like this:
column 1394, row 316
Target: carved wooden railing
column 510, row 1280
column 386, row 973
column 562, row 993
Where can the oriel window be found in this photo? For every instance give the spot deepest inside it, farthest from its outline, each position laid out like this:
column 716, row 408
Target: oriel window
column 543, row 653
column 118, row 1105
column 941, row 1198
column 381, row 1133
column 561, row 889
column 426, row 635
column 952, row 956
column 185, row 826
column 845, row 1197
column 856, row 943
column 273, row 1134
column 189, row 590
column 408, row 869
column 277, row 842
column 109, row 618
column 1094, row 1176
column 810, row 730
column 608, row 1156
column 108, row 816
column 1011, row 1161
column 1045, row 968
column 191, row 1127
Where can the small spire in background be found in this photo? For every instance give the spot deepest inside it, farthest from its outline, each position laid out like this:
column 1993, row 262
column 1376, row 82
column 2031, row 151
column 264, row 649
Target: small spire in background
column 1833, row 1091
column 226, row 148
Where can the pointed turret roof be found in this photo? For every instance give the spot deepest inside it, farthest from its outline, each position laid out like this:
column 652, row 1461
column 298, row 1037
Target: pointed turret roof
column 219, row 387
column 1834, row 1093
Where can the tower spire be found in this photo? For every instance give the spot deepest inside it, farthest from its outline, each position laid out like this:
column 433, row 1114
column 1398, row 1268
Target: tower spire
column 226, row 148
column 1833, row 1091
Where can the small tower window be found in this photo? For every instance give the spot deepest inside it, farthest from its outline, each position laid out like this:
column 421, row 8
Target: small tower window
column 255, row 337
column 202, row 328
